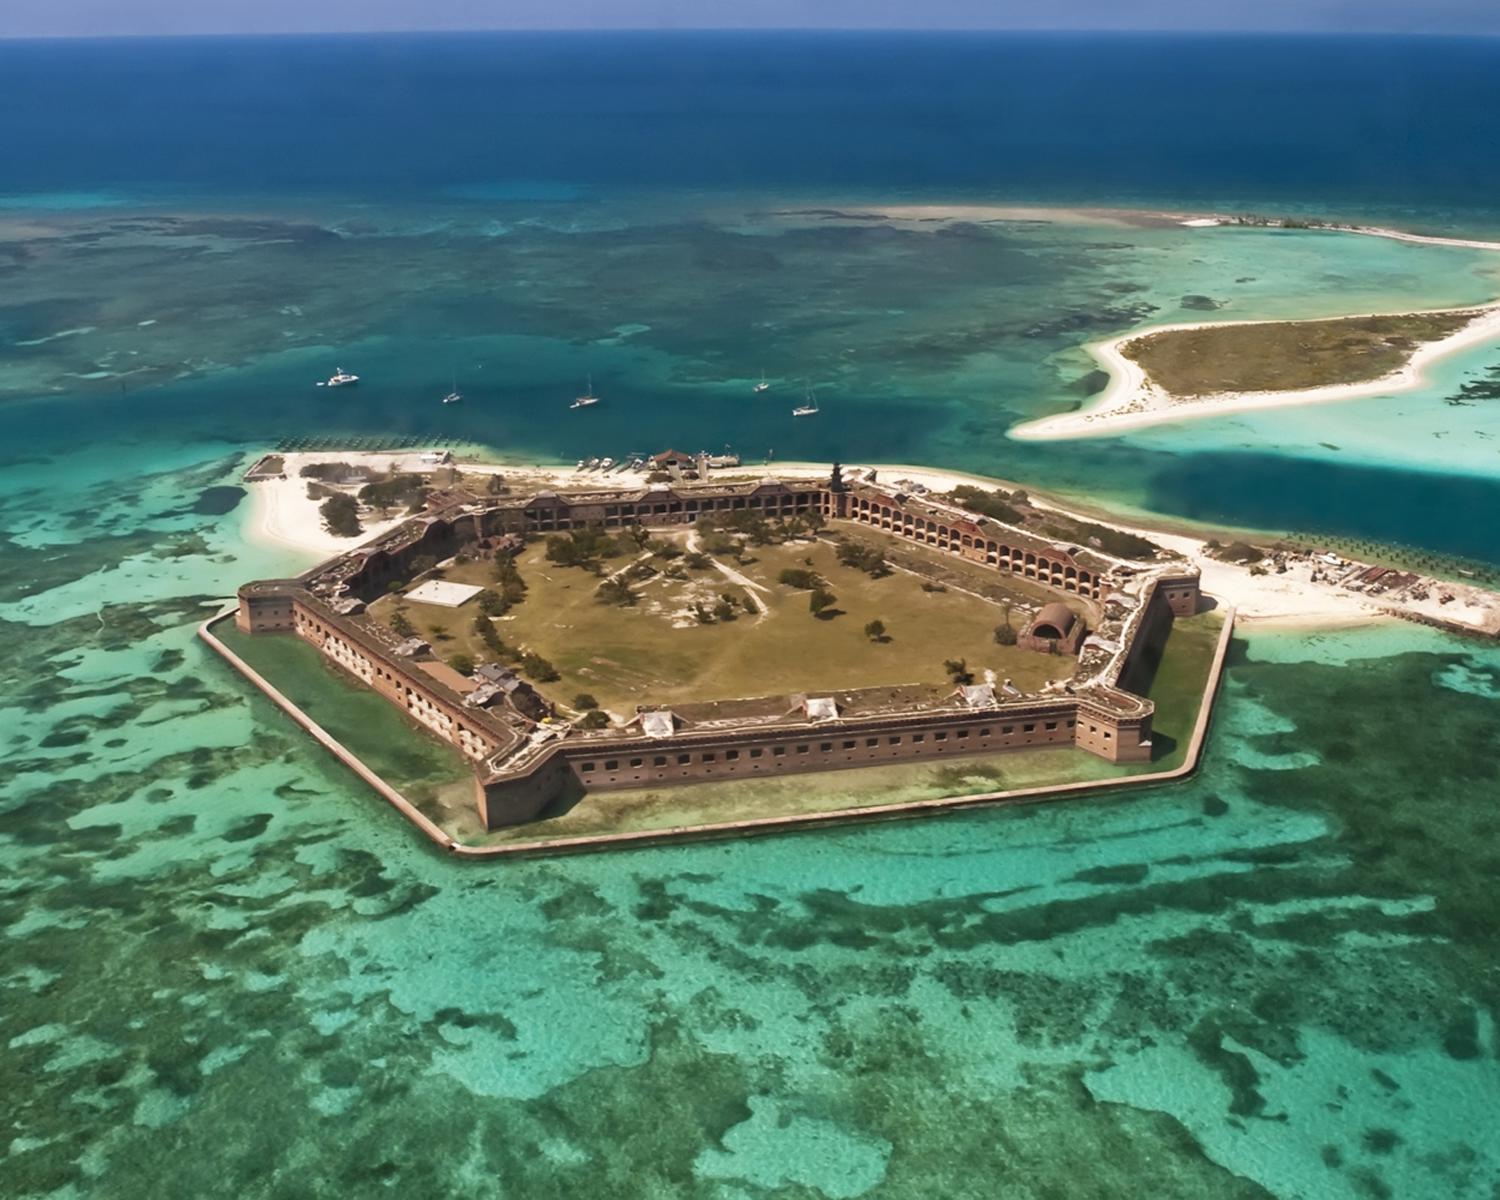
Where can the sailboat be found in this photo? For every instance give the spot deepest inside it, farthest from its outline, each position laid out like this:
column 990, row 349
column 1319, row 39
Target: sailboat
column 808, row 407
column 587, row 398
column 762, row 386
column 454, row 396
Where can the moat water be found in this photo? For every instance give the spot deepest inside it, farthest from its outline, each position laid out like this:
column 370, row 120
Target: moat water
column 226, row 966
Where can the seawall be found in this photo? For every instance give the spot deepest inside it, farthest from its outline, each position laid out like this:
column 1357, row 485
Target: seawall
column 542, row 847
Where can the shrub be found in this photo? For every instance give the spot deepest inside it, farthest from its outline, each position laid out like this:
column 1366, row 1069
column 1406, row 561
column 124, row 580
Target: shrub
column 492, row 603
column 821, row 601
column 958, row 670
column 750, row 605
column 462, row 663
column 797, row 577
column 396, row 491
column 875, row 631
column 1005, row 635
column 340, row 514
column 593, row 719
column 869, row 559
column 697, row 561
column 538, row 667
column 615, row 591
column 585, row 700
column 981, row 500
column 402, row 625
column 725, row 609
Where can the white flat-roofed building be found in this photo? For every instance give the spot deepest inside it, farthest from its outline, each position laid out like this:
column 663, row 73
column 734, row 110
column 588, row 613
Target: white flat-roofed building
column 443, row 594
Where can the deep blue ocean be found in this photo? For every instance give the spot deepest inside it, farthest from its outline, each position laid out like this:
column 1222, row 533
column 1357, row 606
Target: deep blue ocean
column 449, row 128
column 1372, row 121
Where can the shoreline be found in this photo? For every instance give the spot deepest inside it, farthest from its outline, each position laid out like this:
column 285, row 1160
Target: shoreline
column 1130, row 401
column 1270, row 600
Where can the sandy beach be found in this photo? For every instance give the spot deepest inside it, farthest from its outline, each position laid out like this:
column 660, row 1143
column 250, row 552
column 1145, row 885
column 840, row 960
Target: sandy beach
column 281, row 514
column 1131, row 401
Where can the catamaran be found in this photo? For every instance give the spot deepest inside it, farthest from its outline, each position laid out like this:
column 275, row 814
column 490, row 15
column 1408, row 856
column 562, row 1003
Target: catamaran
column 340, row 378
column 587, row 398
column 808, row 407
column 762, row 386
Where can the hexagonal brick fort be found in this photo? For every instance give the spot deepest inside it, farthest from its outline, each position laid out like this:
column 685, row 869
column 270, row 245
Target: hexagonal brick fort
column 522, row 765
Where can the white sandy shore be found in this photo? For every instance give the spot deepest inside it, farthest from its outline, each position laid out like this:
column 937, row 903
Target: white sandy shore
column 1381, row 231
column 280, row 513
column 283, row 515
column 1131, row 401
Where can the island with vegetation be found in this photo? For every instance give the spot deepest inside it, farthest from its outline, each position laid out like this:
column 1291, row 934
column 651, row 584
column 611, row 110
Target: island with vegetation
column 585, row 648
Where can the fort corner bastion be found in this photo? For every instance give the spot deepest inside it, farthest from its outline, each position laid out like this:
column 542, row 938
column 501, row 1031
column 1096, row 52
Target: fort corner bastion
column 525, row 760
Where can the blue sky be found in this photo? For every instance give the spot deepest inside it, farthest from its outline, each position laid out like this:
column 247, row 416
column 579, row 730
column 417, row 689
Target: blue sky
column 71, row 18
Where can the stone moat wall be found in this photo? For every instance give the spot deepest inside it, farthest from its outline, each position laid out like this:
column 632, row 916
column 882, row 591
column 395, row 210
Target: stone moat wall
column 515, row 784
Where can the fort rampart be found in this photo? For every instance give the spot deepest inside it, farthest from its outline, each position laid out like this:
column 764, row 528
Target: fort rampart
column 522, row 768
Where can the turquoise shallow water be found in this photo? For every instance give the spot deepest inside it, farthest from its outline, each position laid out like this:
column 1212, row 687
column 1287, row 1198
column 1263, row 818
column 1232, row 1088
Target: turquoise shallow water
column 226, row 965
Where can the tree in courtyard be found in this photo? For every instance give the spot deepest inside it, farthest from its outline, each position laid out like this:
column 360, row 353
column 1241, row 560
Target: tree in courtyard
column 462, row 663
column 585, row 700
column 492, row 603
column 958, row 670
column 615, row 591
column 593, row 719
column 538, row 667
column 875, row 630
column 402, row 625
column 821, row 603
column 340, row 514
column 1005, row 634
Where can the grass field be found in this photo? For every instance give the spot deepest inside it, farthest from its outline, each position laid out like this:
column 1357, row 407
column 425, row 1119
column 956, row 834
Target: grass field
column 1282, row 356
column 656, row 651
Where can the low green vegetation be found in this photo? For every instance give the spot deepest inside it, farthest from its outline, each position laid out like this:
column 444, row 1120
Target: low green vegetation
column 698, row 635
column 1015, row 508
column 1282, row 356
column 1234, row 552
column 396, row 491
column 340, row 513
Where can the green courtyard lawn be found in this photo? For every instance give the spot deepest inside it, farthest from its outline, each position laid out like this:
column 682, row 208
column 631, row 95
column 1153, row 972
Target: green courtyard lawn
column 656, row 651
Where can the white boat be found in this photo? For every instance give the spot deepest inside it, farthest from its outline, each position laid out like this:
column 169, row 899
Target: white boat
column 454, row 396
column 587, row 398
column 580, row 466
column 809, row 406
column 605, row 464
column 340, row 378
column 762, row 386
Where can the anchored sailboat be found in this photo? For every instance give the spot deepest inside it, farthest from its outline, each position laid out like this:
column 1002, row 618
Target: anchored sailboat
column 809, row 405
column 762, row 386
column 587, row 398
